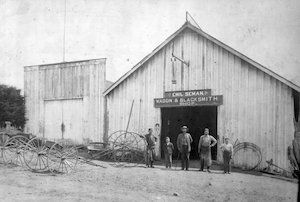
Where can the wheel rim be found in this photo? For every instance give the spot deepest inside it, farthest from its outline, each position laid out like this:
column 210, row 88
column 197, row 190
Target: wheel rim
column 12, row 151
column 128, row 149
column 35, row 155
column 62, row 159
column 3, row 139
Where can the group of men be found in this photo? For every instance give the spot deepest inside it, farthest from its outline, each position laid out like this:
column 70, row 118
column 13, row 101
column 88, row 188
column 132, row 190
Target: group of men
column 184, row 141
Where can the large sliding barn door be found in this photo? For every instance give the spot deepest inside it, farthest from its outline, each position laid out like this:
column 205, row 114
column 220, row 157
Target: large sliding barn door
column 63, row 119
column 53, row 120
column 72, row 119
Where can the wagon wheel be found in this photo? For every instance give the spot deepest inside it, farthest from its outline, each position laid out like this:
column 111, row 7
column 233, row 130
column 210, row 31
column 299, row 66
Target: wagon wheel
column 35, row 155
column 243, row 149
column 125, row 149
column 141, row 150
column 62, row 159
column 3, row 139
column 12, row 151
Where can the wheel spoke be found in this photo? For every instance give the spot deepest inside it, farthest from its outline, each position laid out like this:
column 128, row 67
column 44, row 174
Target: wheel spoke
column 45, row 165
column 70, row 154
column 40, row 162
column 37, row 161
column 62, row 166
column 59, row 166
column 5, row 156
column 31, row 146
column 32, row 155
column 62, row 158
column 66, row 162
column 66, row 167
column 21, row 160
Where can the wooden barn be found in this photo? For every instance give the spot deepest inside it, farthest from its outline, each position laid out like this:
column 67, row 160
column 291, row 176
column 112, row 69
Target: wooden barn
column 65, row 100
column 194, row 79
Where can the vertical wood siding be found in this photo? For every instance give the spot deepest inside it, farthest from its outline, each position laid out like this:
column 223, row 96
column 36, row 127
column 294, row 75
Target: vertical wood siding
column 257, row 108
column 72, row 91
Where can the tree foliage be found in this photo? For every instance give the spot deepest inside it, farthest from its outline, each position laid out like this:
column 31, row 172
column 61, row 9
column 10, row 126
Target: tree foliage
column 12, row 106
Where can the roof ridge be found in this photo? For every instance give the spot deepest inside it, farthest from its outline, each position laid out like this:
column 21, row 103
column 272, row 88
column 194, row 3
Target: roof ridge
column 187, row 24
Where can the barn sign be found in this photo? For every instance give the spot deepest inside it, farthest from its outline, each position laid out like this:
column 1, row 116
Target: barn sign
column 188, row 98
column 190, row 93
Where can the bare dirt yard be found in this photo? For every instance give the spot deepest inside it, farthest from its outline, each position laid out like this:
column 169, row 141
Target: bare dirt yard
column 113, row 183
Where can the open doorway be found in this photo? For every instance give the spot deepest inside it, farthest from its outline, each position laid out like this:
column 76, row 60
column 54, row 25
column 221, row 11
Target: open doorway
column 196, row 118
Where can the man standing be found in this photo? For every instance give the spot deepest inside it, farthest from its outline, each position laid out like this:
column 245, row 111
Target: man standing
column 184, row 141
column 205, row 143
column 156, row 133
column 227, row 149
column 151, row 140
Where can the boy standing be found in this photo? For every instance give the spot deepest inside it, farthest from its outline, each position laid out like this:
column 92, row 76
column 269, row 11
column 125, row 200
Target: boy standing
column 227, row 149
column 168, row 151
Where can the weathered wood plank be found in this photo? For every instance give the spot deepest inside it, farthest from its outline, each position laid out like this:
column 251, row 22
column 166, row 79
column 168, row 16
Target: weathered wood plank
column 79, row 86
column 250, row 96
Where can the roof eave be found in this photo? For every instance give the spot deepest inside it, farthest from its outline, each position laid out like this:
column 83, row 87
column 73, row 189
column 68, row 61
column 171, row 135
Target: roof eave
column 247, row 59
column 107, row 91
column 202, row 33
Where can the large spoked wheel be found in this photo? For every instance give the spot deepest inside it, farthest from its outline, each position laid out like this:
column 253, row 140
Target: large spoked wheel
column 12, row 151
column 62, row 159
column 128, row 149
column 35, row 155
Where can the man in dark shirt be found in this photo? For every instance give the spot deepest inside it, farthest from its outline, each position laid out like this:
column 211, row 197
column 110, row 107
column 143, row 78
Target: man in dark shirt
column 151, row 141
column 184, row 141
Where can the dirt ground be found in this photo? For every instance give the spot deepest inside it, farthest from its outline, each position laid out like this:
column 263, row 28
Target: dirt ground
column 113, row 183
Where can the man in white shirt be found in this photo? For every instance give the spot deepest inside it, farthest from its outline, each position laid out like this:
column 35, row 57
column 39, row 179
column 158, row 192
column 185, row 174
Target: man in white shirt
column 204, row 148
column 227, row 149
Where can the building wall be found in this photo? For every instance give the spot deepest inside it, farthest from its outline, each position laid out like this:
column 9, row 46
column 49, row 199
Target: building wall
column 66, row 92
column 256, row 107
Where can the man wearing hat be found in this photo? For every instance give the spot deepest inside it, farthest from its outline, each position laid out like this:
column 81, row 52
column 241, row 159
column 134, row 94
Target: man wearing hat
column 227, row 149
column 184, row 141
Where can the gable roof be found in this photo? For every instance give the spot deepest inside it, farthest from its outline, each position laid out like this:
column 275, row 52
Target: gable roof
column 108, row 84
column 207, row 36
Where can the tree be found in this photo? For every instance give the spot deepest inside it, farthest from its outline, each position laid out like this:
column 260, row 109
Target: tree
column 12, row 106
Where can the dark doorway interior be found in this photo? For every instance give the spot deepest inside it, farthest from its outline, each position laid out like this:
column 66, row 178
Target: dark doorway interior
column 196, row 118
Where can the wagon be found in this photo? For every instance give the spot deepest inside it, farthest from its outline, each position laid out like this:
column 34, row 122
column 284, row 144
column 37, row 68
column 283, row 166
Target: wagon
column 12, row 147
column 41, row 155
column 122, row 147
column 37, row 154
column 44, row 156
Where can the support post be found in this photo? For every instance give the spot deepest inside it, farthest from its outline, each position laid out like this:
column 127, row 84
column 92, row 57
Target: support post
column 129, row 118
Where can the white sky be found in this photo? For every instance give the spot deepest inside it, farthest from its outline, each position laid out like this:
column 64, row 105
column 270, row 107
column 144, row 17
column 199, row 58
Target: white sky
column 31, row 31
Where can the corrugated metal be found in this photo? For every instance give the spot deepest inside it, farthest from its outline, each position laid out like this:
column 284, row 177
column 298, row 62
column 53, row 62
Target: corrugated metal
column 66, row 92
column 257, row 108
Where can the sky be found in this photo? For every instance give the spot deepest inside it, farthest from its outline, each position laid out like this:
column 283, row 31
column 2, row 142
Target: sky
column 125, row 31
